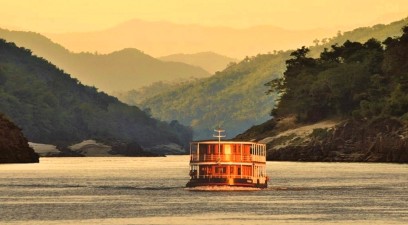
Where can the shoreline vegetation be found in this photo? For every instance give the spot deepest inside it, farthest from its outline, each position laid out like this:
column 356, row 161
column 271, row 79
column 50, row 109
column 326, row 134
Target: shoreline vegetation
column 365, row 85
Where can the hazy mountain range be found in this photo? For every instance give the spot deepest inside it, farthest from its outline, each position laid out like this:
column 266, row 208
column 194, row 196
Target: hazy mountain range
column 165, row 38
column 121, row 70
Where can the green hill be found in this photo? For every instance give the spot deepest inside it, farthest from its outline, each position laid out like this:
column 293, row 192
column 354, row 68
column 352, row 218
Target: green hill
column 210, row 61
column 122, row 70
column 235, row 97
column 51, row 107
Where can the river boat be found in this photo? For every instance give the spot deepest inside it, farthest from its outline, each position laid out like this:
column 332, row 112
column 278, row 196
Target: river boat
column 227, row 163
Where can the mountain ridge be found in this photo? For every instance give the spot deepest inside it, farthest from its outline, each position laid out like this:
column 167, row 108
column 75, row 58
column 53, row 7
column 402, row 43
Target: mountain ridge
column 165, row 38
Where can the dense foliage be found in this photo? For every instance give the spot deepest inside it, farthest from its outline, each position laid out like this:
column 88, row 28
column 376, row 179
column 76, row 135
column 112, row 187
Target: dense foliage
column 52, row 107
column 364, row 80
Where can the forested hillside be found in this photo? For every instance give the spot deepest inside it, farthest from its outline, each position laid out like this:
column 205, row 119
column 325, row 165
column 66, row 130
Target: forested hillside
column 231, row 98
column 122, row 70
column 52, row 107
column 360, row 80
column 350, row 104
column 235, row 97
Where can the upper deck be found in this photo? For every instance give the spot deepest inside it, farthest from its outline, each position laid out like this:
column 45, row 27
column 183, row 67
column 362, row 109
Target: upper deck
column 227, row 152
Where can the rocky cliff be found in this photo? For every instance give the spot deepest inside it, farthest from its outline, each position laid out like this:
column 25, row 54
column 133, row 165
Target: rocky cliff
column 13, row 145
column 382, row 140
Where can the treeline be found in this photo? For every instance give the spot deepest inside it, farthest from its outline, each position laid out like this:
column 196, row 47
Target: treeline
column 360, row 80
column 52, row 107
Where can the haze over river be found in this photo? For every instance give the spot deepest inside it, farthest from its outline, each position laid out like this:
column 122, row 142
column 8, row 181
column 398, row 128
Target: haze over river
column 151, row 191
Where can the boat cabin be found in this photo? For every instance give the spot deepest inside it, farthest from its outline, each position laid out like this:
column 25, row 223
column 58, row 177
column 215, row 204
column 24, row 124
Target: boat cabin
column 230, row 163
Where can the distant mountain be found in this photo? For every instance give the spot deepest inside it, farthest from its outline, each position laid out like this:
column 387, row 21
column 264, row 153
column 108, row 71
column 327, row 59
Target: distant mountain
column 126, row 69
column 235, row 97
column 210, row 61
column 53, row 108
column 164, row 38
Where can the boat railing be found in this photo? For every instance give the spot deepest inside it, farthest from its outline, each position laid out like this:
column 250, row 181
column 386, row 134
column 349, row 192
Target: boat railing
column 258, row 158
column 224, row 176
column 227, row 158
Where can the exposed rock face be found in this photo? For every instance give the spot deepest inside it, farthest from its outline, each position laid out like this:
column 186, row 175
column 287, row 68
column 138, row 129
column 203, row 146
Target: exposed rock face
column 13, row 145
column 384, row 140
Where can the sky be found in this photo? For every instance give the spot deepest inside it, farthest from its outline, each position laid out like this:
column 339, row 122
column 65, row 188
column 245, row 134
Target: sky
column 59, row 16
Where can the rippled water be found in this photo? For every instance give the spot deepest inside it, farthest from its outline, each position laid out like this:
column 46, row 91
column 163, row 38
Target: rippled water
column 151, row 191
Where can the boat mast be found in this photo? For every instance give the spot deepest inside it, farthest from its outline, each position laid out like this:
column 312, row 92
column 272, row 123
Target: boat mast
column 219, row 136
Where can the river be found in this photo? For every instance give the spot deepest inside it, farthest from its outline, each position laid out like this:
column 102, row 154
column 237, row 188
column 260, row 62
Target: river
column 151, row 191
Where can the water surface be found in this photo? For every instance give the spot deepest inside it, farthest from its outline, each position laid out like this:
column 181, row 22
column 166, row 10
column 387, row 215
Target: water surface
column 151, row 191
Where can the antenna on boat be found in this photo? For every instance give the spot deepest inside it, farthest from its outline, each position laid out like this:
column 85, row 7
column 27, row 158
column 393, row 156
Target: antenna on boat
column 219, row 136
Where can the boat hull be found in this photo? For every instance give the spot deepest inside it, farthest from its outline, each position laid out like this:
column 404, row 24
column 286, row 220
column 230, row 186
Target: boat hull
column 233, row 182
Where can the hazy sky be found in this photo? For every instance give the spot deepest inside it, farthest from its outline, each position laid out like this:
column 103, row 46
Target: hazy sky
column 86, row 15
